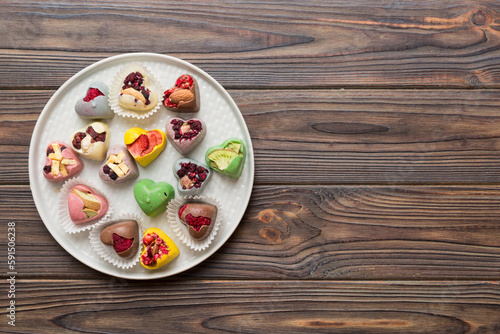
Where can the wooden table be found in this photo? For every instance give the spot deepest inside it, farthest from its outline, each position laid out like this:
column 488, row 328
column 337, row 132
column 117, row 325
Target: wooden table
column 376, row 129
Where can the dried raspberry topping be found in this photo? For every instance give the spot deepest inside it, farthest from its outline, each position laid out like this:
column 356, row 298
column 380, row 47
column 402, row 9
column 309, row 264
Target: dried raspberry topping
column 121, row 244
column 135, row 80
column 77, row 140
column 183, row 82
column 92, row 93
column 195, row 128
column 155, row 249
column 47, row 169
column 197, row 174
column 197, row 222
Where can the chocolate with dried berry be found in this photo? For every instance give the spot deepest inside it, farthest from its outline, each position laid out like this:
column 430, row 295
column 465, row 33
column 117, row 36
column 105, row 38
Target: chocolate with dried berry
column 61, row 163
column 192, row 175
column 144, row 145
column 185, row 135
column 184, row 96
column 158, row 249
column 136, row 94
column 227, row 158
column 92, row 141
column 118, row 167
column 123, row 236
column 94, row 105
column 199, row 218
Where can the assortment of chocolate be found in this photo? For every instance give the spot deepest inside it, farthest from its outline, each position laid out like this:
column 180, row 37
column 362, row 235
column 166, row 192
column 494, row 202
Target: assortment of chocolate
column 85, row 205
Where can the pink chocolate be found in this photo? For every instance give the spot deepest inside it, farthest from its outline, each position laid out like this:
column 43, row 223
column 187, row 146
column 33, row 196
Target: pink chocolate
column 67, row 153
column 75, row 206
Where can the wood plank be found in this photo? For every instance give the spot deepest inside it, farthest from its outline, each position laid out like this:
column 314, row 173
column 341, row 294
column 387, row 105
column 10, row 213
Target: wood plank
column 193, row 306
column 330, row 232
column 345, row 136
column 262, row 44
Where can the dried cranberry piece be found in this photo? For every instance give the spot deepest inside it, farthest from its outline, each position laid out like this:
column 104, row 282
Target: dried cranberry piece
column 92, row 93
column 95, row 135
column 50, row 150
column 106, row 169
column 47, row 169
column 77, row 140
column 112, row 175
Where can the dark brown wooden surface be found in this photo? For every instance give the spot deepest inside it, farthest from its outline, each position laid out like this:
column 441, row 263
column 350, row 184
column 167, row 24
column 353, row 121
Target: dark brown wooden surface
column 376, row 130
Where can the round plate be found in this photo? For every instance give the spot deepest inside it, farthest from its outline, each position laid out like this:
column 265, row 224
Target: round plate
column 59, row 120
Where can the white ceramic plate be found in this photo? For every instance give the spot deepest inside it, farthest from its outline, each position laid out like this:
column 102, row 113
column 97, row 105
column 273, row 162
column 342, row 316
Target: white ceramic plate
column 59, row 120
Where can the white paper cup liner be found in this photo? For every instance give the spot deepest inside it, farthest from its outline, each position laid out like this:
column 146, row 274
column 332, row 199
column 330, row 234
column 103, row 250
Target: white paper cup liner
column 181, row 231
column 64, row 218
column 117, row 83
column 106, row 251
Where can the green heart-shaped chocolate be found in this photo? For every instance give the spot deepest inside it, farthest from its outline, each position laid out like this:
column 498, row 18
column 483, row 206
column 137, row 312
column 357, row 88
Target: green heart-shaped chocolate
column 153, row 197
column 227, row 158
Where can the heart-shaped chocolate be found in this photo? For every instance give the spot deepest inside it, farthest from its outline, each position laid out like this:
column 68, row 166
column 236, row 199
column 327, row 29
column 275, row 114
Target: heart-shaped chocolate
column 227, row 158
column 85, row 204
column 136, row 94
column 184, row 96
column 61, row 163
column 119, row 166
column 193, row 176
column 94, row 105
column 158, row 249
column 199, row 218
column 153, row 197
column 143, row 145
column 123, row 236
column 92, row 141
column 185, row 135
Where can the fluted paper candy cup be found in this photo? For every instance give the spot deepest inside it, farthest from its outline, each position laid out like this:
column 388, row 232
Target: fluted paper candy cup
column 128, row 236
column 135, row 103
column 192, row 238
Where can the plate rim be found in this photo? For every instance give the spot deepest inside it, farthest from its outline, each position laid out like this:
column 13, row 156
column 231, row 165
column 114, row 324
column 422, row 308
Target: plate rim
column 150, row 57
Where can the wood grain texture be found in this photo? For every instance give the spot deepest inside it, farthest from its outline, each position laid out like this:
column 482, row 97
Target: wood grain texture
column 376, row 203
column 322, row 233
column 192, row 306
column 331, row 136
column 253, row 44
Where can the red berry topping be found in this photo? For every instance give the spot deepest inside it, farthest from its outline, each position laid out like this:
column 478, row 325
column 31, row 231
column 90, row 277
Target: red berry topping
column 135, row 80
column 197, row 222
column 181, row 210
column 95, row 135
column 186, row 130
column 197, row 174
column 77, row 140
column 121, row 244
column 92, row 93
